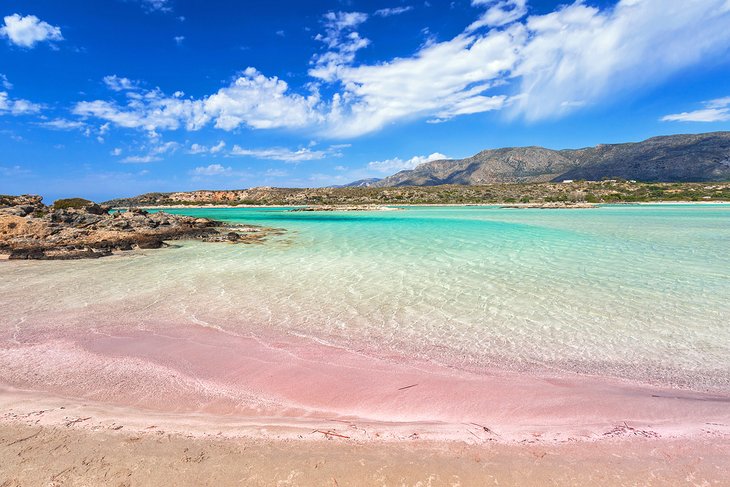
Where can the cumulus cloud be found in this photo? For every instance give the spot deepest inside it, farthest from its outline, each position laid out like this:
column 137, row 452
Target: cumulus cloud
column 717, row 110
column 533, row 67
column 260, row 102
column 17, row 106
column 29, row 30
column 397, row 164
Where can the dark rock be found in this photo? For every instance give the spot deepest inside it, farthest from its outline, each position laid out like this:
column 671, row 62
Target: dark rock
column 149, row 243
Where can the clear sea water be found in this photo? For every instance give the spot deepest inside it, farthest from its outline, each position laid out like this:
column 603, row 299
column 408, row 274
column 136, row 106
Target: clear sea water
column 635, row 292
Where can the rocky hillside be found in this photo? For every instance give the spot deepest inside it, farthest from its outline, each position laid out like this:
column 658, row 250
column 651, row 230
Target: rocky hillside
column 674, row 158
column 606, row 191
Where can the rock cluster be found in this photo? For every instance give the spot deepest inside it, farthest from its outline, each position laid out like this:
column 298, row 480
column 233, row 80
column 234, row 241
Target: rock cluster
column 31, row 230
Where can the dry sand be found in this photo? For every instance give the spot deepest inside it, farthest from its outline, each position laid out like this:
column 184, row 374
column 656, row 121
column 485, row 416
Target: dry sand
column 75, row 455
column 56, row 442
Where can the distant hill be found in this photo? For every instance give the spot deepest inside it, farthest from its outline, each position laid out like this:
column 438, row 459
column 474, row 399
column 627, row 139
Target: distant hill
column 361, row 183
column 673, row 158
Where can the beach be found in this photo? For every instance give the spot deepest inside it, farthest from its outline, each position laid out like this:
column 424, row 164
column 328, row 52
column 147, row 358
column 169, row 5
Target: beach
column 452, row 344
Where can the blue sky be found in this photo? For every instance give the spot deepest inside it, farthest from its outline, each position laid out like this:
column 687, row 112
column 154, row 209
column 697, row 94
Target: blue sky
column 113, row 98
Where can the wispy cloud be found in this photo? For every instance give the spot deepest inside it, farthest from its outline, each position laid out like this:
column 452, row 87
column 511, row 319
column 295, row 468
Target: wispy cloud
column 389, row 12
column 288, row 155
column 156, row 5
column 63, row 124
column 5, row 83
column 154, row 152
column 717, row 110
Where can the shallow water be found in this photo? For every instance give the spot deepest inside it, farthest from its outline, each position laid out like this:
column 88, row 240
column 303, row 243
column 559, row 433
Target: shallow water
column 634, row 292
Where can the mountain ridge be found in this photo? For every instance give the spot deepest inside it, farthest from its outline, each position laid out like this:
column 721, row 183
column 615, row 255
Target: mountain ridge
column 667, row 158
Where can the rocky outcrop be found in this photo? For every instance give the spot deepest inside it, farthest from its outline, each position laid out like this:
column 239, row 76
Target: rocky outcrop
column 31, row 230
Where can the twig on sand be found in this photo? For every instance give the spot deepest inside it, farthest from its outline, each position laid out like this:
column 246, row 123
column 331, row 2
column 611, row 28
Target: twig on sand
column 487, row 430
column 77, row 420
column 407, row 387
column 329, row 433
column 26, row 438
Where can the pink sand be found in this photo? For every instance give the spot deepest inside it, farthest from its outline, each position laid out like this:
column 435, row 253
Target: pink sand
column 188, row 369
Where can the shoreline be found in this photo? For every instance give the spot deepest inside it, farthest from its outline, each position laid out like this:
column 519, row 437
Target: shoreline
column 598, row 205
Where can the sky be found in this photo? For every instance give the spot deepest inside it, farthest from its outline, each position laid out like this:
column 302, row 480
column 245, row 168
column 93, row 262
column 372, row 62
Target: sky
column 111, row 98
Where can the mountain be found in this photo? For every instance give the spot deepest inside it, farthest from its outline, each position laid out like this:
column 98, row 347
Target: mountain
column 673, row 158
column 361, row 183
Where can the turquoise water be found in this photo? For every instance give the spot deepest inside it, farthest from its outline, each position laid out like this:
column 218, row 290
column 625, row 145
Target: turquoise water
column 637, row 292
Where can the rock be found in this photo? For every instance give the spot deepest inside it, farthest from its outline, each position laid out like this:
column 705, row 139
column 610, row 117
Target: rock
column 149, row 243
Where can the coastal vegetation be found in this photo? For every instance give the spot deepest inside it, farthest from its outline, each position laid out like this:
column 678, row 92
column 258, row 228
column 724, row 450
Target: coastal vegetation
column 606, row 191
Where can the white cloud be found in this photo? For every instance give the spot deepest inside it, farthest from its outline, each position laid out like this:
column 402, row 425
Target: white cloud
column 717, row 110
column 389, row 12
column 397, row 164
column 29, row 30
column 287, row 155
column 202, row 149
column 179, row 40
column 116, row 151
column 117, row 83
column 17, row 106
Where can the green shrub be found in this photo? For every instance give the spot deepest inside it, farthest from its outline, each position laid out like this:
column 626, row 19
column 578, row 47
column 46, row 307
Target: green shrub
column 71, row 203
